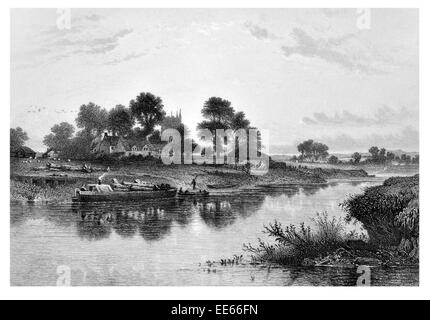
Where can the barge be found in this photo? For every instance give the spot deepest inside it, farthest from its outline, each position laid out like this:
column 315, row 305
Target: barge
column 104, row 193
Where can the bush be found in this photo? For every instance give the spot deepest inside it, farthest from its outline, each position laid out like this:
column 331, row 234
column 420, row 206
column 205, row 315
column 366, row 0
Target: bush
column 293, row 245
column 381, row 208
column 277, row 165
column 333, row 160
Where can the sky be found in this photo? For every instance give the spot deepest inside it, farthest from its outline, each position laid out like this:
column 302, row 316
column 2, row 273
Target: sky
column 345, row 77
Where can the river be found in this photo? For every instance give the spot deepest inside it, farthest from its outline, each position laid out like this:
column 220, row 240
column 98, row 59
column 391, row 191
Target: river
column 169, row 242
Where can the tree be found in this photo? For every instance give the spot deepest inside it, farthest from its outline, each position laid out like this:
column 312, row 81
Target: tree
column 79, row 146
column 312, row 149
column 374, row 151
column 219, row 114
column 17, row 138
column 60, row 136
column 406, row 158
column 219, row 110
column 390, row 156
column 319, row 150
column 92, row 118
column 148, row 109
column 381, row 157
column 333, row 159
column 416, row 159
column 305, row 148
column 155, row 137
column 120, row 120
column 356, row 157
column 239, row 121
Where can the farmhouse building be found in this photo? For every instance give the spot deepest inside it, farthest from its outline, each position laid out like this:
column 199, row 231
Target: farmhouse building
column 108, row 144
column 144, row 149
column 118, row 146
column 22, row 152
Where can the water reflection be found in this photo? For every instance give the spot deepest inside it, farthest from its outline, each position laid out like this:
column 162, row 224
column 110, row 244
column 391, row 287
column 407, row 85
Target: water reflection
column 168, row 239
column 153, row 220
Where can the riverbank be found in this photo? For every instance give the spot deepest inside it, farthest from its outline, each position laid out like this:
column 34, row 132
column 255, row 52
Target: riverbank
column 389, row 213
column 25, row 173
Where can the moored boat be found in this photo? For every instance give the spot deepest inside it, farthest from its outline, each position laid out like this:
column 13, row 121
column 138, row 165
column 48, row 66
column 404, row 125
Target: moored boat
column 192, row 193
column 104, row 193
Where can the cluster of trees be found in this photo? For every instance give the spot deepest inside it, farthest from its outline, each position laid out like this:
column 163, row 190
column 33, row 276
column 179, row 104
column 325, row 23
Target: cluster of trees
column 312, row 150
column 218, row 113
column 381, row 156
column 137, row 121
column 18, row 137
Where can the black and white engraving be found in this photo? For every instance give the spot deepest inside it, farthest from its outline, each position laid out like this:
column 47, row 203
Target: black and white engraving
column 214, row 147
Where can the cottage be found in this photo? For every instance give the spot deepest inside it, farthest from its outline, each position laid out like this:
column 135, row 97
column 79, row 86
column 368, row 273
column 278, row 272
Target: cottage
column 144, row 149
column 108, row 144
column 52, row 154
column 22, row 152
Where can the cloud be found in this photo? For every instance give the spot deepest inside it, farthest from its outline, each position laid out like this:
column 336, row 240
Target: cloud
column 91, row 17
column 259, row 32
column 335, row 12
column 407, row 139
column 97, row 45
column 328, row 50
column 382, row 116
column 126, row 58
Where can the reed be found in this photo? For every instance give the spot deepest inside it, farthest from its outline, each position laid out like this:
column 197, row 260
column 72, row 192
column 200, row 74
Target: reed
column 292, row 244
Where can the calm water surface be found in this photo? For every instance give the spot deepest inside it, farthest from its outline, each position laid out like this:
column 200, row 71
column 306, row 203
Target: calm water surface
column 168, row 242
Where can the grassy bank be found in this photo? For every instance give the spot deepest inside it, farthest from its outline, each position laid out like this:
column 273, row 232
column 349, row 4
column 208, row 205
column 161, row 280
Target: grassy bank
column 22, row 191
column 179, row 176
column 389, row 213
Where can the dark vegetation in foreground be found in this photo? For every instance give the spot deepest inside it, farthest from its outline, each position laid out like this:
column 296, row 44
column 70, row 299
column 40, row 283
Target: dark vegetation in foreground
column 389, row 213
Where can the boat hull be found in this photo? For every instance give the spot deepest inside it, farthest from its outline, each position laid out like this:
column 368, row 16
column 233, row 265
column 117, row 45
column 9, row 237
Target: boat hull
column 86, row 196
column 192, row 194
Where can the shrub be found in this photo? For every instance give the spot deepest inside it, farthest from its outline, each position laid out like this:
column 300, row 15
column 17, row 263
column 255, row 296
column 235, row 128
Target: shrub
column 293, row 245
column 379, row 207
column 333, row 160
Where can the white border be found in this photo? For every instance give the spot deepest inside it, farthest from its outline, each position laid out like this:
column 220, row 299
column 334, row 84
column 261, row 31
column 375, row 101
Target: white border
column 7, row 292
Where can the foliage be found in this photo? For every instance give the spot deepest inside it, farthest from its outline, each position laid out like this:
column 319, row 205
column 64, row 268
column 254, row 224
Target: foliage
column 92, row 118
column 23, row 191
column 356, row 157
column 219, row 114
column 79, row 147
column 218, row 110
column 155, row 137
column 409, row 220
column 148, row 109
column 312, row 149
column 120, row 120
column 60, row 136
column 379, row 207
column 294, row 244
column 239, row 121
column 18, row 137
column 333, row 160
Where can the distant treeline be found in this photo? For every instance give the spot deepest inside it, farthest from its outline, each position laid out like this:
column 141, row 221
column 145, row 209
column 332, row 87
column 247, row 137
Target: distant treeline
column 312, row 151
